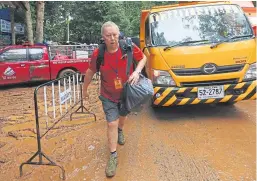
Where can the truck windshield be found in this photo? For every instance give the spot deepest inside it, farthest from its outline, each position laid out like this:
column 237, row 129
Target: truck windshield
column 212, row 23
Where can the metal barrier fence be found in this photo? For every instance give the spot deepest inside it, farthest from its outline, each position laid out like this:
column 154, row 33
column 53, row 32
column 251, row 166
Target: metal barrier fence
column 55, row 99
column 71, row 51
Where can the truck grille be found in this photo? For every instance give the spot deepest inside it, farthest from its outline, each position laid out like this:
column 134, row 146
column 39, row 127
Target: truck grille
column 198, row 71
column 209, row 83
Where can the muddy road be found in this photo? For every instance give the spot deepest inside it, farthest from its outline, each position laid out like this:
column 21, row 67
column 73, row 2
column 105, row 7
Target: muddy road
column 189, row 143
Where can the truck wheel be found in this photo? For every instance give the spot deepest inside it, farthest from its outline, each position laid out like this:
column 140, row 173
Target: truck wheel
column 65, row 73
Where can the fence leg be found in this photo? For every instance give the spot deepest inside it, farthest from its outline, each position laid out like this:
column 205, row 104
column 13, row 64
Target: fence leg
column 51, row 163
column 82, row 107
column 29, row 161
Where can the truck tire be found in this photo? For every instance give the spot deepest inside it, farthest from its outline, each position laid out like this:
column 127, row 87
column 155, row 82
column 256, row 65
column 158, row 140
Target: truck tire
column 66, row 72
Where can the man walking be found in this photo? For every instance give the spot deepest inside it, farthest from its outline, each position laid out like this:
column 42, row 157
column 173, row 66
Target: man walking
column 113, row 76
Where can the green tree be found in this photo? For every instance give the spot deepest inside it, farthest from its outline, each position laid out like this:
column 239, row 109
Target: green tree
column 88, row 16
column 29, row 22
column 40, row 20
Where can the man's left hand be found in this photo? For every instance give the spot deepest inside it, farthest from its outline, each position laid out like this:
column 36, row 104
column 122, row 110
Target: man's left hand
column 134, row 77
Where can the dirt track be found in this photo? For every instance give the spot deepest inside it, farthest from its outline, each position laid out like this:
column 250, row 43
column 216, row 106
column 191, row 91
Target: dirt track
column 194, row 143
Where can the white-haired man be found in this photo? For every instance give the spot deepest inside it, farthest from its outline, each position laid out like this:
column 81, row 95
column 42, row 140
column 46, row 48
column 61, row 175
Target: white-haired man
column 113, row 76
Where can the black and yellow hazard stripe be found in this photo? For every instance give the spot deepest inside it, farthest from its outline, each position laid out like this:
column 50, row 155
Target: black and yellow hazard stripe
column 167, row 95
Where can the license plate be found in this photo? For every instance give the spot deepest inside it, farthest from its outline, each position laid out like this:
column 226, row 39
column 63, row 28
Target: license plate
column 210, row 92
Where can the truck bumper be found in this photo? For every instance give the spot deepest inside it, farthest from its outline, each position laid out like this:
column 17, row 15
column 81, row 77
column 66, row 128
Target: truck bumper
column 171, row 96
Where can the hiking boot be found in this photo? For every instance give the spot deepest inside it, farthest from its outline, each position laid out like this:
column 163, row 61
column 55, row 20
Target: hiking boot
column 121, row 138
column 111, row 166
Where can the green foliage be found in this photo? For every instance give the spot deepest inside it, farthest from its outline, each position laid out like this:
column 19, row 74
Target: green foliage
column 88, row 17
column 55, row 19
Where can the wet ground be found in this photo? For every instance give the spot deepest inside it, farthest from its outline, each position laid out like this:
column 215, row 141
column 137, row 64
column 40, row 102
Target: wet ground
column 189, row 143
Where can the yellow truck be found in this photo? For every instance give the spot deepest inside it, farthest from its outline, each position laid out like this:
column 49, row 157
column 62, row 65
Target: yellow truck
column 199, row 52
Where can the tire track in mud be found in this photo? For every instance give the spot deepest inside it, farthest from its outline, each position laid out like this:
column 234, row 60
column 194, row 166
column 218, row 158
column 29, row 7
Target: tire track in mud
column 174, row 163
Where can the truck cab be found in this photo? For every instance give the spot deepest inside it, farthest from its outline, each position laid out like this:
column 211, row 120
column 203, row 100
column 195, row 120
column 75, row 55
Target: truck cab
column 199, row 52
column 23, row 63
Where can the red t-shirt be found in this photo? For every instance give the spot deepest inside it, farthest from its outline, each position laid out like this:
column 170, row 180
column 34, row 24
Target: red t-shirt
column 113, row 67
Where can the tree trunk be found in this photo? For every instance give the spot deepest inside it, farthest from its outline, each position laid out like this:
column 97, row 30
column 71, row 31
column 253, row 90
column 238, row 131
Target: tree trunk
column 12, row 25
column 29, row 22
column 40, row 21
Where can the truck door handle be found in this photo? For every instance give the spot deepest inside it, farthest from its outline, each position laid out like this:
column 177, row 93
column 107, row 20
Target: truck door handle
column 22, row 65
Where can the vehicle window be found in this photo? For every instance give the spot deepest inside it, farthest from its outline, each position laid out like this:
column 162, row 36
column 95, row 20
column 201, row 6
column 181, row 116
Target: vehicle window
column 35, row 53
column 13, row 55
column 213, row 22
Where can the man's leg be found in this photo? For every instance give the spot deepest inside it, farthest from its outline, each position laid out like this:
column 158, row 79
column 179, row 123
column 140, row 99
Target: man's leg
column 121, row 121
column 112, row 135
column 112, row 116
column 121, row 138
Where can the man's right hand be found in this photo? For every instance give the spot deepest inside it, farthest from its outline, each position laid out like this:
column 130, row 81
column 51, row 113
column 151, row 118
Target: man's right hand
column 87, row 79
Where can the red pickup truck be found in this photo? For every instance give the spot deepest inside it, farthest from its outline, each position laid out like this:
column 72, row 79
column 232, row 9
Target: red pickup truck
column 27, row 63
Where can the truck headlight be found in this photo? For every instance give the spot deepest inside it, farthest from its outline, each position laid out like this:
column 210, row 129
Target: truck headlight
column 251, row 72
column 162, row 78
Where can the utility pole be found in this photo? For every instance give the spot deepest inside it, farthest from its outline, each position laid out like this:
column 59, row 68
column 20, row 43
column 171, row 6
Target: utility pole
column 68, row 27
column 12, row 25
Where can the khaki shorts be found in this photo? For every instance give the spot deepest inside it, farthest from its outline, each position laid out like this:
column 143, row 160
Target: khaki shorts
column 112, row 109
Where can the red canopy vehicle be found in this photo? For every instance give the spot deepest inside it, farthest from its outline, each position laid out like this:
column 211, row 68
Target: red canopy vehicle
column 27, row 63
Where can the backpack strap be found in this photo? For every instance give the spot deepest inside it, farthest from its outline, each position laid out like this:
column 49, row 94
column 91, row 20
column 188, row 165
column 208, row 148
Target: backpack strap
column 100, row 57
column 127, row 50
column 123, row 47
